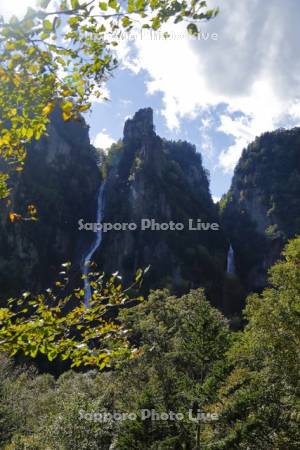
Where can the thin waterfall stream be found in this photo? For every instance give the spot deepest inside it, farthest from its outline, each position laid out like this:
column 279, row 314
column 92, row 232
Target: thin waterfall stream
column 230, row 260
column 85, row 267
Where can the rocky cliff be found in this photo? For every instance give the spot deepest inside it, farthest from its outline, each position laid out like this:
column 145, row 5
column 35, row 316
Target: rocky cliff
column 262, row 209
column 151, row 178
column 61, row 180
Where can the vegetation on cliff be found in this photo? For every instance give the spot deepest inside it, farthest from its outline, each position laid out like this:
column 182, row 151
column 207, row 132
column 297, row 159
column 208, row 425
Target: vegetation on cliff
column 261, row 210
column 61, row 179
column 153, row 178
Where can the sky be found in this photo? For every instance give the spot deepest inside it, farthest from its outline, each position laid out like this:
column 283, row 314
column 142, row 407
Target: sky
column 240, row 79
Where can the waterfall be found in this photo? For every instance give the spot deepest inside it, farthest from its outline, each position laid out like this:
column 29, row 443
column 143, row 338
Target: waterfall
column 230, row 260
column 85, row 266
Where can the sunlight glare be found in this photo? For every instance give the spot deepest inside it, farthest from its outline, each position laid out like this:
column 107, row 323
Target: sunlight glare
column 15, row 7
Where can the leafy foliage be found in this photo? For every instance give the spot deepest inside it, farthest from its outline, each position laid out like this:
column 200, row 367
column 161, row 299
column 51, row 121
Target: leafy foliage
column 183, row 343
column 63, row 53
column 250, row 379
column 65, row 328
column 259, row 403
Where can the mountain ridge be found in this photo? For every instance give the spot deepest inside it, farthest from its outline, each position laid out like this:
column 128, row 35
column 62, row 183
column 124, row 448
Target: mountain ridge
column 149, row 177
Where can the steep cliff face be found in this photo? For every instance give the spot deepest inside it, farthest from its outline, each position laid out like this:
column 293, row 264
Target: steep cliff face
column 164, row 181
column 150, row 178
column 61, row 180
column 262, row 209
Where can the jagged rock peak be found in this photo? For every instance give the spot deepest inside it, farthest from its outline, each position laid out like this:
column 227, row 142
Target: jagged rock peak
column 140, row 126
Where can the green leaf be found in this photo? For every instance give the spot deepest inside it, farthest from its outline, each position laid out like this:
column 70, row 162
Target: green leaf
column 156, row 23
column 138, row 275
column 67, row 106
column 114, row 5
column 178, row 19
column 192, row 29
column 47, row 25
column 74, row 22
column 131, row 6
column 126, row 22
column 210, row 13
column 75, row 4
column 83, row 108
column 61, row 61
column 154, row 3
column 140, row 5
column 34, row 350
column 29, row 133
column 103, row 365
column 52, row 354
column 44, row 35
column 103, row 6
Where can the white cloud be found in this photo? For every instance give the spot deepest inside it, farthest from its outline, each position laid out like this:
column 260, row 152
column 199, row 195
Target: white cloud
column 243, row 130
column 252, row 69
column 126, row 102
column 207, row 146
column 15, row 7
column 103, row 140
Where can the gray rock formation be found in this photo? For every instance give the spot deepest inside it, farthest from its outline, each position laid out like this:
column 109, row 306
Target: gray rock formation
column 165, row 181
column 61, row 180
column 262, row 209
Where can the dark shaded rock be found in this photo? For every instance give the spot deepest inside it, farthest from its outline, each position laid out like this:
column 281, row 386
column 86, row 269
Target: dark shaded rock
column 262, row 209
column 164, row 181
column 61, row 179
